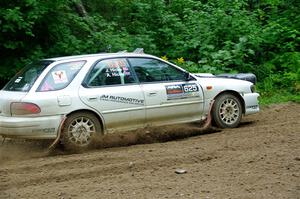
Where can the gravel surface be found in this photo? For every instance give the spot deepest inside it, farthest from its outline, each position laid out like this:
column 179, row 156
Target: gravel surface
column 260, row 159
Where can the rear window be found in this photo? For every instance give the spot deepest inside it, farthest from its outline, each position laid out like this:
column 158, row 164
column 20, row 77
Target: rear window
column 60, row 76
column 24, row 79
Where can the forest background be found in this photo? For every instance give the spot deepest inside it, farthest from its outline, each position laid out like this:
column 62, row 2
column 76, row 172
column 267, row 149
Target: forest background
column 214, row 36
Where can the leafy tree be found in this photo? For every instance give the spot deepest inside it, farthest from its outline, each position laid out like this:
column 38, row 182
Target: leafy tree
column 259, row 36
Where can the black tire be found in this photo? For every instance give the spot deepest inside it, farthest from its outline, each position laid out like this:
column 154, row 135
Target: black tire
column 227, row 111
column 80, row 131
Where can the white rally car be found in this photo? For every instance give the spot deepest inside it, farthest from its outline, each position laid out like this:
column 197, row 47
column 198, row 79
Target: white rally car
column 77, row 98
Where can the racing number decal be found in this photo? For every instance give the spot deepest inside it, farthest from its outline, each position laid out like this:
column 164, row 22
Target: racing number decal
column 180, row 91
column 190, row 88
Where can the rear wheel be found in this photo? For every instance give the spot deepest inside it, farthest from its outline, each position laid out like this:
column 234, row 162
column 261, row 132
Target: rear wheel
column 227, row 111
column 80, row 131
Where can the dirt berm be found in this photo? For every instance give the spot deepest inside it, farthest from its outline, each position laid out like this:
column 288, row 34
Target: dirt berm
column 260, row 159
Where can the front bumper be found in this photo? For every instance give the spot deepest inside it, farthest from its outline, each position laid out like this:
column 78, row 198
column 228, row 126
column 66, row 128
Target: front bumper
column 44, row 127
column 251, row 103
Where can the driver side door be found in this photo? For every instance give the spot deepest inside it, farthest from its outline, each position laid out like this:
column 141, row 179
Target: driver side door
column 169, row 97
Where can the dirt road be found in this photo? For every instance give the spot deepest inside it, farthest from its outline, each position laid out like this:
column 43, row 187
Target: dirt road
column 260, row 159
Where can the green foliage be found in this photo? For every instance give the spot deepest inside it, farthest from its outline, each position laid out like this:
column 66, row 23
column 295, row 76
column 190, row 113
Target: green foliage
column 213, row 36
column 284, row 73
column 277, row 96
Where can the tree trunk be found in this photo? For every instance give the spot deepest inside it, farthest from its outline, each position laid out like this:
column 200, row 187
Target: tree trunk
column 80, row 8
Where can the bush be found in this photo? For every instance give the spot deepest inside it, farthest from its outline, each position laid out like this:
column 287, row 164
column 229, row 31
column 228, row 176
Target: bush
column 214, row 36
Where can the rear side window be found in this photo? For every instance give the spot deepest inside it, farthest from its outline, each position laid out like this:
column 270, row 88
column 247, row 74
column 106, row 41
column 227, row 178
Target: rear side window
column 110, row 72
column 24, row 79
column 60, row 76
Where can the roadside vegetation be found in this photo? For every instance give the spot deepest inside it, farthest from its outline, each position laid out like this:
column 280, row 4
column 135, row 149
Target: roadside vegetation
column 215, row 36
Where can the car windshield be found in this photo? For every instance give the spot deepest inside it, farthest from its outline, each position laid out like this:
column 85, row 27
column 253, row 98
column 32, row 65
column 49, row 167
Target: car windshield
column 24, row 79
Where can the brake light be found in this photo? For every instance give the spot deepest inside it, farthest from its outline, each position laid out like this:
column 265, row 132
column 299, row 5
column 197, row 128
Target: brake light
column 24, row 108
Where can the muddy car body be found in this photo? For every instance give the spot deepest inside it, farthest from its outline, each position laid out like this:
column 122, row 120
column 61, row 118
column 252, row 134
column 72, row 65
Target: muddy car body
column 88, row 95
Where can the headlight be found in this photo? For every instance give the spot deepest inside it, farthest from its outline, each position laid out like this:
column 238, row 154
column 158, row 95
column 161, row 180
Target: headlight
column 252, row 88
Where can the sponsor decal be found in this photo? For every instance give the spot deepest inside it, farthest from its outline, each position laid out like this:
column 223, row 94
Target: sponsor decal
column 116, row 72
column 180, row 91
column 252, row 107
column 59, row 76
column 174, row 89
column 119, row 99
column 76, row 65
column 18, row 80
column 47, row 87
column 117, row 68
column 46, row 130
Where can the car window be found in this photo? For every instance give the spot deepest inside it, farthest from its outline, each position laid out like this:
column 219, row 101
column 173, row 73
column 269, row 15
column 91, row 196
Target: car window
column 110, row 72
column 24, row 79
column 60, row 76
column 152, row 70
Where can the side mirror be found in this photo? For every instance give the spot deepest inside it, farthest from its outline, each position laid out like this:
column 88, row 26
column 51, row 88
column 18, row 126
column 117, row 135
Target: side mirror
column 188, row 77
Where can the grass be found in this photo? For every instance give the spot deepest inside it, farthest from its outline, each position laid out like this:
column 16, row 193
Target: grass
column 280, row 96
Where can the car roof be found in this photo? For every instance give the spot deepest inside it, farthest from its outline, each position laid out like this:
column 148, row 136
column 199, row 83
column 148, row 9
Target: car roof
column 99, row 56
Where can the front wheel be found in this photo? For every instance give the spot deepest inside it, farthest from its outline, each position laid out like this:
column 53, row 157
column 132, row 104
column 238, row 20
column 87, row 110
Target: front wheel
column 80, row 131
column 227, row 111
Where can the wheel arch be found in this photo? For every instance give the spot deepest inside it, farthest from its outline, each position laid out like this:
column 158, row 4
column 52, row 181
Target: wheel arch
column 99, row 117
column 236, row 94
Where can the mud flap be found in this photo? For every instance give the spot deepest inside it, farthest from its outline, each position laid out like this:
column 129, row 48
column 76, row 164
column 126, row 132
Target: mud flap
column 207, row 123
column 56, row 141
column 4, row 138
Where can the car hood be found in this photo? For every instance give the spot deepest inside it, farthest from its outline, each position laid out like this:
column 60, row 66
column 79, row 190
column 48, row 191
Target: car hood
column 221, row 84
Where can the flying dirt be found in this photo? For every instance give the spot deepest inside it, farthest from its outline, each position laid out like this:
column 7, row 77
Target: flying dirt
column 259, row 159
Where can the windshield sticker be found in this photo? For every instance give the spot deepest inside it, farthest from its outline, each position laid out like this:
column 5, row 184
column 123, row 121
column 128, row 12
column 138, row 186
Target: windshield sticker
column 117, row 68
column 18, row 80
column 46, row 87
column 60, row 77
column 116, row 63
column 180, row 91
column 125, row 100
column 121, row 63
column 111, row 72
column 76, row 65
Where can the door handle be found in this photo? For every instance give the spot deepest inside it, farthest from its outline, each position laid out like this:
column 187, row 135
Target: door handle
column 91, row 98
column 153, row 93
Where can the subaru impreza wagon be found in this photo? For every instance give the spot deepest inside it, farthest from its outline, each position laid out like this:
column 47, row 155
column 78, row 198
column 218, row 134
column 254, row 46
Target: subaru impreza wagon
column 78, row 98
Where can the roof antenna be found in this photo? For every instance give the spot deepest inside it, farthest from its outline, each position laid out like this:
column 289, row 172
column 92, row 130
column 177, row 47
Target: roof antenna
column 139, row 51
